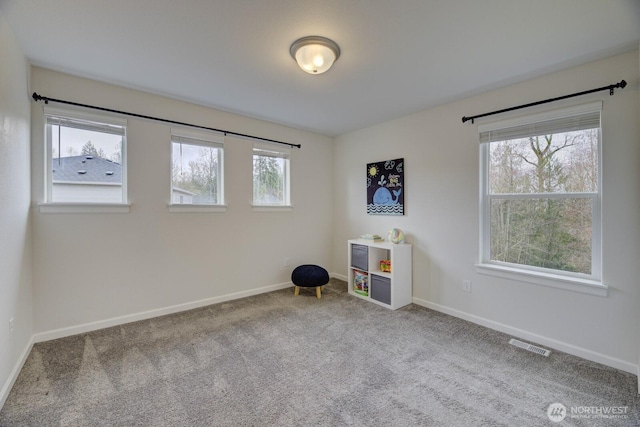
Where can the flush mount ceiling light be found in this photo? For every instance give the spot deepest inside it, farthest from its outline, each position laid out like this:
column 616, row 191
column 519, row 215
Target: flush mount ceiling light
column 315, row 54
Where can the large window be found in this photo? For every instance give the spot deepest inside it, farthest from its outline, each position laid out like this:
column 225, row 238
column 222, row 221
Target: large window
column 270, row 175
column 86, row 158
column 197, row 168
column 541, row 191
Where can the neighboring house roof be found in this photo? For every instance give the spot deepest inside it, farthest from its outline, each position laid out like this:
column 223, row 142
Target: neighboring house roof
column 86, row 169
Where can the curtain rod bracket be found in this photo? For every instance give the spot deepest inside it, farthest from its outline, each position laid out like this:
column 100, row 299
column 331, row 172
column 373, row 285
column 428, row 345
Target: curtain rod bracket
column 46, row 100
column 622, row 84
column 37, row 98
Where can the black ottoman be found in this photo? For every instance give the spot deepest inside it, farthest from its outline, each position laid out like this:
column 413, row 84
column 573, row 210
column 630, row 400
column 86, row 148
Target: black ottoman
column 308, row 276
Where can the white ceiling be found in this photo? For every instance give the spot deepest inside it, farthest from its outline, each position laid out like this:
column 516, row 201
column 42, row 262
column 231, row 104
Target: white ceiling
column 398, row 56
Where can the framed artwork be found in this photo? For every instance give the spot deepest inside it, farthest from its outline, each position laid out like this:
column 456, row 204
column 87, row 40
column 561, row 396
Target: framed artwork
column 385, row 187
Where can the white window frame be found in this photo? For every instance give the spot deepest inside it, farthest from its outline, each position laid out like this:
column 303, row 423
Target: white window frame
column 584, row 283
column 204, row 139
column 48, row 206
column 278, row 151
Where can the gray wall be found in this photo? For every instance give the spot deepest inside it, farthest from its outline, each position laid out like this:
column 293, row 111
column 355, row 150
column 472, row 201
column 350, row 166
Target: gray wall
column 442, row 220
column 107, row 268
column 15, row 226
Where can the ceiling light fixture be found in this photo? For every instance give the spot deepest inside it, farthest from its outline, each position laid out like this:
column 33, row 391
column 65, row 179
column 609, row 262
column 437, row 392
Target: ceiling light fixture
column 315, row 54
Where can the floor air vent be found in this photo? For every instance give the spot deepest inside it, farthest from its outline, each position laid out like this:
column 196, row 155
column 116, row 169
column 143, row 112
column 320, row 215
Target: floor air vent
column 530, row 347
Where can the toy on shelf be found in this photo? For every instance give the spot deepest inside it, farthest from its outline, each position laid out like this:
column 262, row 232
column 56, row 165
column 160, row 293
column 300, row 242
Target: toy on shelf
column 385, row 265
column 396, row 236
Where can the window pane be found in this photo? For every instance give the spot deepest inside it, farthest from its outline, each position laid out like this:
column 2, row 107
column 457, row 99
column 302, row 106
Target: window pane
column 548, row 233
column 269, row 178
column 195, row 174
column 562, row 162
column 86, row 165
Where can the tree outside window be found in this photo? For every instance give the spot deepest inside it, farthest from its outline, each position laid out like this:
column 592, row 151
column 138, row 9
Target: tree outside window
column 541, row 231
column 196, row 173
column 270, row 177
column 541, row 197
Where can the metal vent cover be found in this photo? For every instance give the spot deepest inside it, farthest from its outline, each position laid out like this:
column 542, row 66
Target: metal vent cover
column 530, row 347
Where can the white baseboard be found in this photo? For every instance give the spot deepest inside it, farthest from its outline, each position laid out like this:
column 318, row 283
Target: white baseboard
column 13, row 376
column 338, row 276
column 535, row 338
column 115, row 321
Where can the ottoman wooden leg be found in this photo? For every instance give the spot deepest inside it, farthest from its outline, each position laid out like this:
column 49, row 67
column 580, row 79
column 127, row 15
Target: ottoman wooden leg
column 318, row 292
column 297, row 291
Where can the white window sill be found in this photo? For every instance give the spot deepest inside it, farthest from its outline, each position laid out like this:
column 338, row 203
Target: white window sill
column 66, row 208
column 188, row 208
column 272, row 208
column 576, row 284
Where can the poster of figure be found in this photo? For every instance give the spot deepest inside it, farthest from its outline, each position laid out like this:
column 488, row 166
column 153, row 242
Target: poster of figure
column 385, row 187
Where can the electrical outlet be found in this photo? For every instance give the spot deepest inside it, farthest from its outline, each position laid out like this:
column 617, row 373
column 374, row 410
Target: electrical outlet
column 466, row 285
column 286, row 262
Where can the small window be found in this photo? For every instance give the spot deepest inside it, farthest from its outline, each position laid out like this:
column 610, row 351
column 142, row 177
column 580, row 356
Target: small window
column 196, row 168
column 541, row 192
column 271, row 175
column 85, row 157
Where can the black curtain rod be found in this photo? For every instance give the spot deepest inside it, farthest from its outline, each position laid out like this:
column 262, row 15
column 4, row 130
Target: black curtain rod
column 46, row 100
column 610, row 88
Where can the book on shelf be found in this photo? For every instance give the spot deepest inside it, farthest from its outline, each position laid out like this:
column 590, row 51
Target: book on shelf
column 360, row 282
column 373, row 237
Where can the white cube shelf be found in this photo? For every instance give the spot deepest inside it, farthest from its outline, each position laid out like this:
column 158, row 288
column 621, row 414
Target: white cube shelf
column 391, row 290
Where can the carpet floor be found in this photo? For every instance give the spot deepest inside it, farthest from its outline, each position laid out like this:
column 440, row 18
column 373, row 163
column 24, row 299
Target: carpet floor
column 279, row 360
